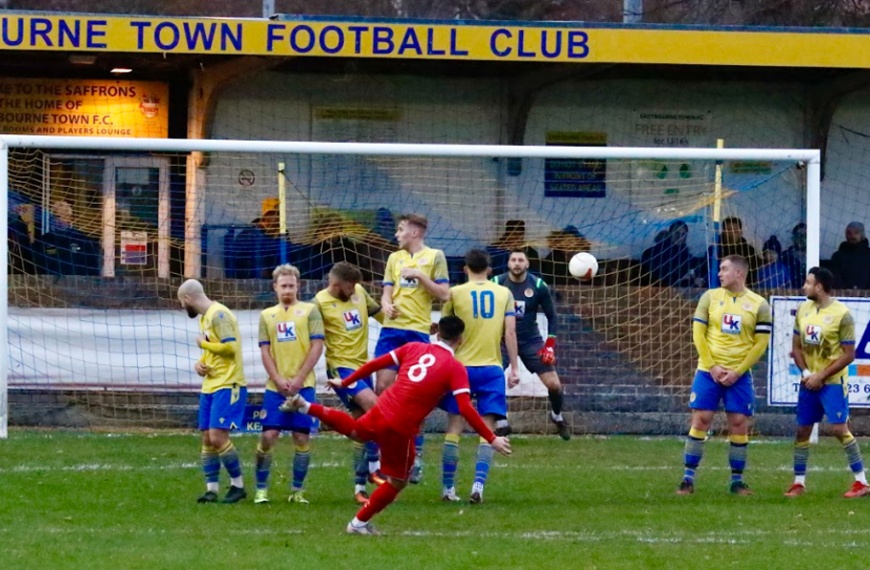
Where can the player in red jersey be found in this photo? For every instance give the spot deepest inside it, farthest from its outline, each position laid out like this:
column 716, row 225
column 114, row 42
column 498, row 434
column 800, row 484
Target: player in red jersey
column 426, row 373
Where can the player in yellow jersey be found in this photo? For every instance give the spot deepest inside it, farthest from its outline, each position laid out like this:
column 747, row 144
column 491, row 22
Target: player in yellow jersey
column 415, row 276
column 823, row 346
column 291, row 342
column 224, row 392
column 487, row 309
column 346, row 308
column 731, row 330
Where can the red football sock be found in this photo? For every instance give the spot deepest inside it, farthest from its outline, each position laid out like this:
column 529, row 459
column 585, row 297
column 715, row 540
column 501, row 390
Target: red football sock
column 383, row 496
column 337, row 420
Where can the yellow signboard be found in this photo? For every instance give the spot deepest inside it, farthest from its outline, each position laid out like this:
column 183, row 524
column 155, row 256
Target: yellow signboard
column 493, row 41
column 84, row 107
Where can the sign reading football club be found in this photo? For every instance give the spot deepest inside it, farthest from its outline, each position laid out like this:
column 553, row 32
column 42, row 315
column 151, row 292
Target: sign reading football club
column 558, row 42
column 783, row 380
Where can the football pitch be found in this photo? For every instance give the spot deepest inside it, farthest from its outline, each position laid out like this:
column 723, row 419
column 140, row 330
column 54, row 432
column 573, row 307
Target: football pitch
column 96, row 500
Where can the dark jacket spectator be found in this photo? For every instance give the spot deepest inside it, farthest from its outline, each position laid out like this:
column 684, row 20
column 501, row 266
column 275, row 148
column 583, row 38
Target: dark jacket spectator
column 732, row 242
column 256, row 250
column 668, row 261
column 795, row 257
column 851, row 262
column 773, row 274
column 514, row 237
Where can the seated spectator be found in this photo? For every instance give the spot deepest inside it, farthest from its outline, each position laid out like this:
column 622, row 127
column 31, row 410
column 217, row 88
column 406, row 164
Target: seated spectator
column 385, row 225
column 668, row 261
column 851, row 262
column 66, row 250
column 795, row 257
column 732, row 242
column 513, row 238
column 22, row 237
column 257, row 249
column 563, row 245
column 773, row 274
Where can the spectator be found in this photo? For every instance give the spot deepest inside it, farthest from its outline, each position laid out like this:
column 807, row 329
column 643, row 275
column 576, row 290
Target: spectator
column 851, row 262
column 67, row 250
column 773, row 274
column 513, row 238
column 385, row 225
column 257, row 249
column 795, row 257
column 563, row 245
column 22, row 235
column 732, row 242
column 668, row 260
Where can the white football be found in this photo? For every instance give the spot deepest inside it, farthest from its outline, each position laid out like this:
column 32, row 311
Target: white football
column 583, row 266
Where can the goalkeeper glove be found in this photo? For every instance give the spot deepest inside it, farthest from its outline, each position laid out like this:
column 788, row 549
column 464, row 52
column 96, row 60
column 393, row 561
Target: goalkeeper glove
column 548, row 353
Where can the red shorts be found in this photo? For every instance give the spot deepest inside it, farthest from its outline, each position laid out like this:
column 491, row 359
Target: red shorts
column 397, row 449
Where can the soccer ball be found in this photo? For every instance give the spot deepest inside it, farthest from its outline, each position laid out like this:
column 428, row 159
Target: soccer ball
column 583, row 266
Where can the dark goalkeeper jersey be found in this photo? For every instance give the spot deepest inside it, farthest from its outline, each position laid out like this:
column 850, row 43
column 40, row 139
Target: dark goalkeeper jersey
column 529, row 296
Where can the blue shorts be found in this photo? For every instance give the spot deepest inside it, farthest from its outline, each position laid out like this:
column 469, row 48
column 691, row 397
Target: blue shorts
column 346, row 394
column 224, row 409
column 273, row 418
column 831, row 401
column 390, row 339
column 487, row 388
column 707, row 394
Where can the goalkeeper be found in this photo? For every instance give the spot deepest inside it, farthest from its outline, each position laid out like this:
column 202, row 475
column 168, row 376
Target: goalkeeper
column 539, row 356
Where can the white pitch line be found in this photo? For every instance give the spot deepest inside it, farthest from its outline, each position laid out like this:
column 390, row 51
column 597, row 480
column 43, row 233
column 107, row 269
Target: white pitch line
column 755, row 536
column 86, row 467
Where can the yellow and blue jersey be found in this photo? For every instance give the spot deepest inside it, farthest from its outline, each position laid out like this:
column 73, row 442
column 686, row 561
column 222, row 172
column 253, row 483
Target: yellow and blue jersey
column 411, row 298
column 346, row 327
column 732, row 322
column 288, row 331
column 482, row 306
column 823, row 333
column 219, row 324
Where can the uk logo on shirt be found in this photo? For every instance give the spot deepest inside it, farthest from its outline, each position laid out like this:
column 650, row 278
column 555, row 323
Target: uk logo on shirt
column 407, row 283
column 286, row 331
column 812, row 334
column 520, row 308
column 352, row 319
column 731, row 324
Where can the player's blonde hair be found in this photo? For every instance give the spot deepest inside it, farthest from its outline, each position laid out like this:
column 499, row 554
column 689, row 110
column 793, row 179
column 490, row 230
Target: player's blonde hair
column 285, row 269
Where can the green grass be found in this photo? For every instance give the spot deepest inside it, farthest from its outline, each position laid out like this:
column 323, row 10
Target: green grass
column 77, row 500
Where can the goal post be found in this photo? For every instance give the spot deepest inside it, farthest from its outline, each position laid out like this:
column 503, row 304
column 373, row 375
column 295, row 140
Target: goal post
column 335, row 200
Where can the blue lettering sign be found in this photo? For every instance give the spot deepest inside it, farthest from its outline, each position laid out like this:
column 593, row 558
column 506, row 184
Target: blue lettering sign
column 430, row 43
column 558, row 44
column 410, row 41
column 95, row 31
column 453, row 49
column 173, row 34
column 382, row 42
column 357, row 37
column 339, row 39
column 493, row 39
column 578, row 44
column 310, row 39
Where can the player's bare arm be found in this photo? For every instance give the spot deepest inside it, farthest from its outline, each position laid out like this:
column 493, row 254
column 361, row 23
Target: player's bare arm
column 387, row 305
column 272, row 370
column 510, row 341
